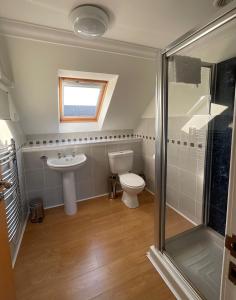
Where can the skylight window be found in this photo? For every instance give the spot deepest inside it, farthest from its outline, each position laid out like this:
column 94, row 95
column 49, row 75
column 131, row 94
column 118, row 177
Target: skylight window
column 80, row 99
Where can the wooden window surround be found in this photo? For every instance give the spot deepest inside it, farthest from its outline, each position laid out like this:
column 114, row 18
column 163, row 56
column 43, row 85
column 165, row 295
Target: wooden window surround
column 103, row 86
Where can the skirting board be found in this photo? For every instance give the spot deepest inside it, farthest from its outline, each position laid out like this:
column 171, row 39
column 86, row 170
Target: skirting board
column 172, row 277
column 20, row 241
column 176, row 210
column 183, row 215
column 81, row 200
column 151, row 192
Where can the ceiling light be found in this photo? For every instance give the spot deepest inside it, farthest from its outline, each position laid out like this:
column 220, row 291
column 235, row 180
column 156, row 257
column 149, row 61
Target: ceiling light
column 221, row 3
column 89, row 21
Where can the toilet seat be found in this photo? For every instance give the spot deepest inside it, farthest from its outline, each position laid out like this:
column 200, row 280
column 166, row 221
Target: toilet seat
column 132, row 180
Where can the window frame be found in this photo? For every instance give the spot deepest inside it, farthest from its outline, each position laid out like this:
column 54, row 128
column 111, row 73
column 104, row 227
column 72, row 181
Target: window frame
column 64, row 119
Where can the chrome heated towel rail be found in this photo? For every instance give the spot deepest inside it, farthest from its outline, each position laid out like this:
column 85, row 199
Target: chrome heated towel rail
column 10, row 192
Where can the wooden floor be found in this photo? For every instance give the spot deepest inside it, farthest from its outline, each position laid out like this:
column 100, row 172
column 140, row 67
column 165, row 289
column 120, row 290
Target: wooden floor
column 98, row 254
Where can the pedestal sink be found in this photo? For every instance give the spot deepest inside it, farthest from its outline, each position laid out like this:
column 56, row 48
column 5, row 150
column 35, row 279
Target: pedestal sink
column 67, row 165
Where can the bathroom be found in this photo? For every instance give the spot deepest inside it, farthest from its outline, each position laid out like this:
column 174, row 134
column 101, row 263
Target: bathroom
column 101, row 200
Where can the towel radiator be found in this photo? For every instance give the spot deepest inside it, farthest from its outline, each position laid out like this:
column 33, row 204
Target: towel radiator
column 10, row 191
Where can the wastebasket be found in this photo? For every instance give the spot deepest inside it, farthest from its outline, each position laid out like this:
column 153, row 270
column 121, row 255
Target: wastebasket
column 112, row 182
column 36, row 210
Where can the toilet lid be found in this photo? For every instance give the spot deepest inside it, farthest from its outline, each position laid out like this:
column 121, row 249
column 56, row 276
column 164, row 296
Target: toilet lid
column 131, row 180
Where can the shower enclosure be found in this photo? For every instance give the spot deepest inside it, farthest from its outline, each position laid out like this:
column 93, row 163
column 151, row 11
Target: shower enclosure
column 195, row 167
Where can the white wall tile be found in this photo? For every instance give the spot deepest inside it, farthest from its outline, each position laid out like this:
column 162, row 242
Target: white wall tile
column 84, row 172
column 111, row 148
column 187, row 206
column 199, row 188
column 172, row 197
column 85, row 189
column 148, row 147
column 52, row 178
column 138, row 165
column 142, row 127
column 32, row 161
column 187, row 183
column 137, row 148
column 82, row 149
column 150, row 184
column 101, row 185
column 173, row 154
column 173, row 177
column 199, row 212
column 36, row 194
column 190, row 163
column 125, row 146
column 34, row 179
column 53, row 196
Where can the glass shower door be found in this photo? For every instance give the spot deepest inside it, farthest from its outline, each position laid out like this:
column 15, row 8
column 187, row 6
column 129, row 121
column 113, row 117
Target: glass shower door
column 200, row 99
column 188, row 117
column 193, row 248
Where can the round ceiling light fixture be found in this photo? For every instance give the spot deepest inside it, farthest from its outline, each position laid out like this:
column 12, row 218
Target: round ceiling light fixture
column 89, row 21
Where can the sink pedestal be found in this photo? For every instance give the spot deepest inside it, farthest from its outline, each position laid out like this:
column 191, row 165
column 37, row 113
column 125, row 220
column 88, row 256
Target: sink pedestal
column 69, row 192
column 68, row 164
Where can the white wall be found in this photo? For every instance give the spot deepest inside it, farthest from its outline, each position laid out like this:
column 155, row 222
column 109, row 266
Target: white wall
column 5, row 63
column 12, row 130
column 35, row 66
column 150, row 110
column 146, row 130
column 182, row 96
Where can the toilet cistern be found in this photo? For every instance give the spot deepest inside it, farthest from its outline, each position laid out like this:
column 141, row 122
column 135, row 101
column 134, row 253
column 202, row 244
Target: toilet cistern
column 121, row 163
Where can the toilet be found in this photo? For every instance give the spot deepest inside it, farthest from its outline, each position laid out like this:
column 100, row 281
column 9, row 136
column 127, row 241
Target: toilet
column 121, row 163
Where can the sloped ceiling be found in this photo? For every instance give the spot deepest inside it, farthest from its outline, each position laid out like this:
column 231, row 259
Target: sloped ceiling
column 35, row 65
column 217, row 46
column 153, row 23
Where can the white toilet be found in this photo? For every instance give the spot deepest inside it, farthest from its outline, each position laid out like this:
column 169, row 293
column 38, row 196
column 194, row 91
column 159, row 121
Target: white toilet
column 121, row 163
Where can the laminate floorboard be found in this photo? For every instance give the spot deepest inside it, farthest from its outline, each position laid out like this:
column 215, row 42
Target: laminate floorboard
column 99, row 254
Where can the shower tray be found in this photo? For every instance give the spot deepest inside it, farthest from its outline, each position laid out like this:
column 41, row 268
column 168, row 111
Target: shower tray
column 198, row 253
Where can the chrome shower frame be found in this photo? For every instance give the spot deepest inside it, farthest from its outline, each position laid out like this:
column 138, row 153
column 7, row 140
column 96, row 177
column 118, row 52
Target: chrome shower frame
column 226, row 15
column 179, row 284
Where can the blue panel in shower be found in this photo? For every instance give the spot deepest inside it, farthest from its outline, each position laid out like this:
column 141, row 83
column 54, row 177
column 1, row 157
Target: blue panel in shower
column 221, row 132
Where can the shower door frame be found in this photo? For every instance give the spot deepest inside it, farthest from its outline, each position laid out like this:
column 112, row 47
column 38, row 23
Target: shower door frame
column 182, row 286
column 228, row 14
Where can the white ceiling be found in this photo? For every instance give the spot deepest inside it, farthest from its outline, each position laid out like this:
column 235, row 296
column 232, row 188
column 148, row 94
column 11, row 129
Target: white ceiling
column 153, row 23
column 217, row 46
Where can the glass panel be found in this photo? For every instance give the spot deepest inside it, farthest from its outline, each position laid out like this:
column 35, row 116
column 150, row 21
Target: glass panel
column 81, row 99
column 201, row 97
column 188, row 115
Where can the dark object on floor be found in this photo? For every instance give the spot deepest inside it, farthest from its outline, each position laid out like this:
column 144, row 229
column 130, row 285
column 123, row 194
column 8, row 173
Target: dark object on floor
column 36, row 210
column 113, row 182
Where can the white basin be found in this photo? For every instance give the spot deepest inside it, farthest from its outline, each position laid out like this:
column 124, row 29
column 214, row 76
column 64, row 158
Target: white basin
column 67, row 165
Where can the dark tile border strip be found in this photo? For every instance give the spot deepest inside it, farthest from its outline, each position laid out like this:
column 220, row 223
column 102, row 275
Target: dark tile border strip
column 128, row 136
column 94, row 138
column 190, row 144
